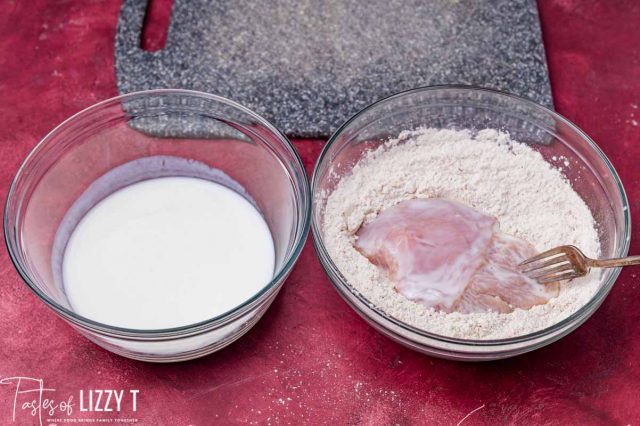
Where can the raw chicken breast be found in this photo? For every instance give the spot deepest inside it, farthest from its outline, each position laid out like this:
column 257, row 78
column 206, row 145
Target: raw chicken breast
column 448, row 256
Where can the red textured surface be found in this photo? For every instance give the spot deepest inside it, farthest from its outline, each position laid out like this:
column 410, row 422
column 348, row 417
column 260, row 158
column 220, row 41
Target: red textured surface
column 155, row 28
column 311, row 358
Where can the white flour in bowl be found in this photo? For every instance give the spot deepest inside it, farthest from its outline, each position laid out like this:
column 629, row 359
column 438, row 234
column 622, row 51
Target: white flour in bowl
column 488, row 172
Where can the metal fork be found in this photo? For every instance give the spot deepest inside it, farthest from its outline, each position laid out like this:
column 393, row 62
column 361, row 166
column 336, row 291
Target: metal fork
column 567, row 262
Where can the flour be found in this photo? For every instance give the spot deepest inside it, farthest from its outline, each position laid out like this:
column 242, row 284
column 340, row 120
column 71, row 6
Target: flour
column 488, row 172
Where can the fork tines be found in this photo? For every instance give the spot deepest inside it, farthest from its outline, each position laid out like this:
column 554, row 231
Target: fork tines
column 549, row 266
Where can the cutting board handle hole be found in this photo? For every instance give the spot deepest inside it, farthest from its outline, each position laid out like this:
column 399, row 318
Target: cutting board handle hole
column 155, row 27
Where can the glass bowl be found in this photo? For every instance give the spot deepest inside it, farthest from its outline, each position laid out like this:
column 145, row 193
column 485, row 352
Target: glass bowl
column 454, row 107
column 140, row 136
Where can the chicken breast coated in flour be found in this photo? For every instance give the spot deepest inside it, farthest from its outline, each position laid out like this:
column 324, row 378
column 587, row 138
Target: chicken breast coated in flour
column 450, row 257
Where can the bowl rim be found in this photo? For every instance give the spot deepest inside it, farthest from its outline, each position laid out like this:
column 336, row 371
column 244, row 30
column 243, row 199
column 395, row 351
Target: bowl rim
column 373, row 312
column 302, row 226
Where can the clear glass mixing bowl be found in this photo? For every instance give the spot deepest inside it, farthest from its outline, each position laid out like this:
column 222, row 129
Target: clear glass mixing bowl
column 453, row 107
column 146, row 135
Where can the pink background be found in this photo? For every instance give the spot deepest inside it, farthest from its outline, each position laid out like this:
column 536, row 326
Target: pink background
column 311, row 358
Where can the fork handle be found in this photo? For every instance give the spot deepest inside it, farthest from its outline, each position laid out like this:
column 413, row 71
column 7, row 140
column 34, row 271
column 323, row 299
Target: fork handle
column 612, row 263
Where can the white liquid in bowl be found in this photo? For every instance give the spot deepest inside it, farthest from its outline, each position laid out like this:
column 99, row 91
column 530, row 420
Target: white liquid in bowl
column 167, row 252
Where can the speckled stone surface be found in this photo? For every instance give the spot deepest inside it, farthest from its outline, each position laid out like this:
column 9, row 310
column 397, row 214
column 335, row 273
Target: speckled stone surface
column 307, row 66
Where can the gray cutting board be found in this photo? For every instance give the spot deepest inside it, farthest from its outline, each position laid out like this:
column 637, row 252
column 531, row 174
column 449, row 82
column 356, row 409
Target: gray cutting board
column 308, row 65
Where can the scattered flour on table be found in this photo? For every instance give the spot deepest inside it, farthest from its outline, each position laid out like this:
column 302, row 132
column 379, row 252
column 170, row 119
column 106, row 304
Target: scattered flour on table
column 488, row 172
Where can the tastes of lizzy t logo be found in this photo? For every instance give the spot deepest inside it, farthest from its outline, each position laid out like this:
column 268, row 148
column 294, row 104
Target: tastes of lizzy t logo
column 31, row 398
